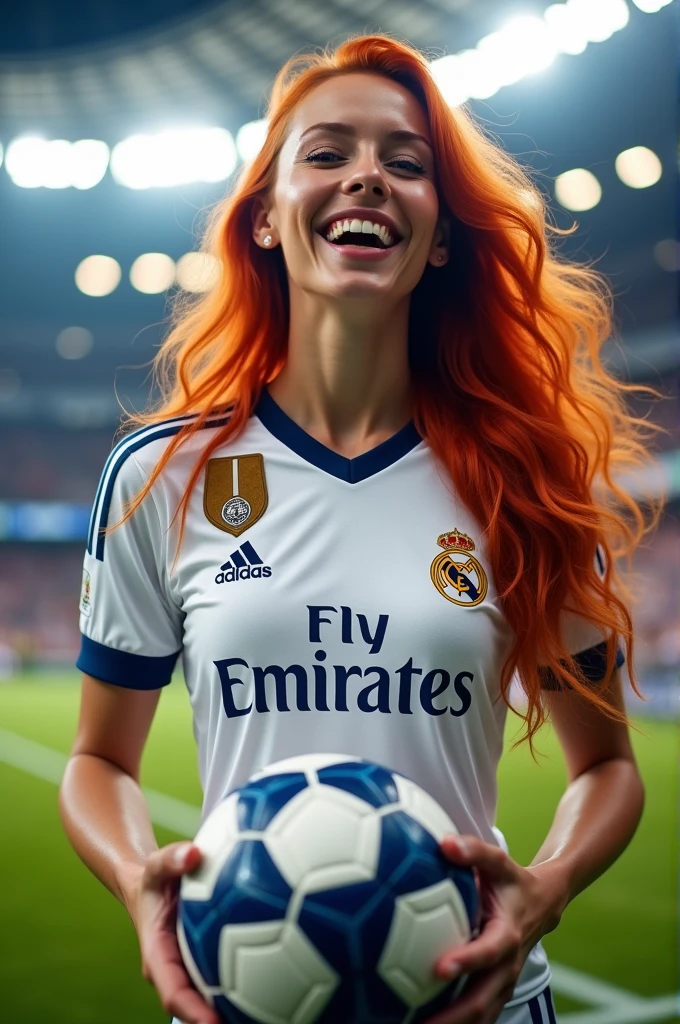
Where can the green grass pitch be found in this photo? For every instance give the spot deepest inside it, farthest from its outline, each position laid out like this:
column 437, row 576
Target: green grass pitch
column 70, row 953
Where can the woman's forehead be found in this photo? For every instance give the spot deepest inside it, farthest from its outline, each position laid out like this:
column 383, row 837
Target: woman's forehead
column 367, row 102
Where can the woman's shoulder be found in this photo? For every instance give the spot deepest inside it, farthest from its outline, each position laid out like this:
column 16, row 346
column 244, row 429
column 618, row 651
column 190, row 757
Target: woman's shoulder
column 142, row 448
column 148, row 443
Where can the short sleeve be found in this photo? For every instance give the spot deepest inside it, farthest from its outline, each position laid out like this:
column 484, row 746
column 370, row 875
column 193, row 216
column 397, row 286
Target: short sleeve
column 585, row 642
column 131, row 630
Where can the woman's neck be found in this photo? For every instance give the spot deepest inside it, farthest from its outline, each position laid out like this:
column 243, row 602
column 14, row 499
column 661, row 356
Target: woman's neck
column 346, row 382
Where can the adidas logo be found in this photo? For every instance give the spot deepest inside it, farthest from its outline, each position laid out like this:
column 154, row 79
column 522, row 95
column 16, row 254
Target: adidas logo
column 243, row 564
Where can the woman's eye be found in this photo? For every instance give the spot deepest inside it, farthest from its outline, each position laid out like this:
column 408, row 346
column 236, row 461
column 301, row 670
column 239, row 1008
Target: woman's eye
column 409, row 165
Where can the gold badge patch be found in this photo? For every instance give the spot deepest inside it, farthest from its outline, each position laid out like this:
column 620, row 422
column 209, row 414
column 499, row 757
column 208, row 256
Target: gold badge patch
column 458, row 575
column 235, row 492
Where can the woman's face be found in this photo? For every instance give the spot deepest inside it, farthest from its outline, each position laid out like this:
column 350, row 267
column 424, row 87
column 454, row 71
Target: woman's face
column 325, row 171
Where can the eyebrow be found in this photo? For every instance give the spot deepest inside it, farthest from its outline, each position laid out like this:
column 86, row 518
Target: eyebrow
column 399, row 135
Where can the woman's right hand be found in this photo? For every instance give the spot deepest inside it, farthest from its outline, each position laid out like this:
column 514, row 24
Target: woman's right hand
column 153, row 908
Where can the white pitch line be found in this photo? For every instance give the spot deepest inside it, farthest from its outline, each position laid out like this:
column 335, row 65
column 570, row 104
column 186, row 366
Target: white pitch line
column 614, row 1005
column 640, row 1011
column 47, row 764
column 589, row 990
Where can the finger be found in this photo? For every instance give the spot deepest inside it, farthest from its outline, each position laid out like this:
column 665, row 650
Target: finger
column 471, row 850
column 178, row 995
column 482, row 1003
column 498, row 941
column 171, row 862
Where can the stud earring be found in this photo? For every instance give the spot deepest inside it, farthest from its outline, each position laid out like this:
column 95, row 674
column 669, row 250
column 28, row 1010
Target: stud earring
column 267, row 239
column 440, row 258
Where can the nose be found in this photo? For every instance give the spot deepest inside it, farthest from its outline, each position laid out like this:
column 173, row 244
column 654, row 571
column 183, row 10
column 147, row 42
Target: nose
column 367, row 175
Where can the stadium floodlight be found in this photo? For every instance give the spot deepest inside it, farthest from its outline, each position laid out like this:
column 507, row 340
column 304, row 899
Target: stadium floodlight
column 598, row 19
column 89, row 160
column 523, row 46
column 250, row 139
column 578, row 189
column 174, row 157
column 651, row 6
column 152, row 272
column 445, row 71
column 638, row 167
column 568, row 30
column 98, row 275
column 34, row 162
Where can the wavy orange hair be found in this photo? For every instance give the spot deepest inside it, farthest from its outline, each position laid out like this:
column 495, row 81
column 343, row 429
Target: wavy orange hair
column 507, row 383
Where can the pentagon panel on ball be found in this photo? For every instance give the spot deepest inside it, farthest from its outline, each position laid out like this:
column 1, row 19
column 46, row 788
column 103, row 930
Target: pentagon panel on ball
column 323, row 898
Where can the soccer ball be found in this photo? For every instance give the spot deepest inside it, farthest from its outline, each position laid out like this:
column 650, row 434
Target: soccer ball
column 323, row 898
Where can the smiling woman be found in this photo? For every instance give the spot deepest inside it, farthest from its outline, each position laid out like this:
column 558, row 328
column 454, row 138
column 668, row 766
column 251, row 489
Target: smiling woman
column 392, row 404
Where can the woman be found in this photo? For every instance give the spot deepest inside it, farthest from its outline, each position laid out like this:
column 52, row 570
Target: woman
column 391, row 440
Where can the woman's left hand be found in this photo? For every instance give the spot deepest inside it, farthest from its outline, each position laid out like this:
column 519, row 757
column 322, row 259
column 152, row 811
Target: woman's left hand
column 518, row 908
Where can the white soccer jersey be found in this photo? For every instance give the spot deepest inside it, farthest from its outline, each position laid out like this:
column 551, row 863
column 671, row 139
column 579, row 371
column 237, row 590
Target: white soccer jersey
column 321, row 604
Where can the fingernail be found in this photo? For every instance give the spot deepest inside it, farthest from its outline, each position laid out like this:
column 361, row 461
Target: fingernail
column 452, row 969
column 180, row 854
column 463, row 846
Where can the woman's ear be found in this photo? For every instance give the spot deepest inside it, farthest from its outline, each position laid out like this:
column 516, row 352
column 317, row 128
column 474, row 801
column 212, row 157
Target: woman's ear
column 439, row 251
column 262, row 226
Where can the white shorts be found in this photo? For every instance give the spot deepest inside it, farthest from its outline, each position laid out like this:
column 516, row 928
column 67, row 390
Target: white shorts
column 539, row 1010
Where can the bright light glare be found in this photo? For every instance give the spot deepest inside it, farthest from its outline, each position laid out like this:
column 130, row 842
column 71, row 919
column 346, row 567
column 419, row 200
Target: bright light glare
column 599, row 19
column 153, row 272
column 98, row 275
column 197, row 272
column 24, row 161
column 523, row 46
column 174, row 157
column 638, row 167
column 33, row 162
column 90, row 158
column 651, row 6
column 250, row 139
column 446, row 73
column 578, row 189
column 568, row 30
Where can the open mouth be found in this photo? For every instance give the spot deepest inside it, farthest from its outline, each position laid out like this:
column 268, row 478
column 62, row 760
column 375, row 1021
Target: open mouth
column 354, row 240
column 379, row 238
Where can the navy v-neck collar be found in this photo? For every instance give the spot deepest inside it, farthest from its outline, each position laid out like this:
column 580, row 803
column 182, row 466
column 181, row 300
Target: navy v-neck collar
column 308, row 448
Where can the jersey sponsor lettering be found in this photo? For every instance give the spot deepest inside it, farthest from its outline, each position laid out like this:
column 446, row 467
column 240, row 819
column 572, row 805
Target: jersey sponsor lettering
column 318, row 687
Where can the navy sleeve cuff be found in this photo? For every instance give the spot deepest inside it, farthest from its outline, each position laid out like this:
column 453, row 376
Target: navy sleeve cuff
column 592, row 662
column 134, row 671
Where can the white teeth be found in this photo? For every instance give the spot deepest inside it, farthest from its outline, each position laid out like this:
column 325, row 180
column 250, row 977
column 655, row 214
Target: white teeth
column 365, row 227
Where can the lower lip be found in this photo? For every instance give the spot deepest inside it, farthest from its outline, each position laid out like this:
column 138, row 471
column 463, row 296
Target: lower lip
column 361, row 252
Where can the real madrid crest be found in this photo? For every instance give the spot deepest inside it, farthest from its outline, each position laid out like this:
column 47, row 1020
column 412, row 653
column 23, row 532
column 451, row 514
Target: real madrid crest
column 456, row 573
column 235, row 493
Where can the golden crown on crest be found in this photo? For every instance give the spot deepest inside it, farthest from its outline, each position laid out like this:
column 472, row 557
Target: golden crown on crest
column 456, row 539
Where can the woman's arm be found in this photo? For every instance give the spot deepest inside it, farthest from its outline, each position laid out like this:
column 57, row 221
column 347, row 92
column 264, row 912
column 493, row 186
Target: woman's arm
column 107, row 820
column 102, row 806
column 602, row 805
column 594, row 822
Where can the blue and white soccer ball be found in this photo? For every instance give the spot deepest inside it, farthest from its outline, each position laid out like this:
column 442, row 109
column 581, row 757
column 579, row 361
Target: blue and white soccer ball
column 323, row 898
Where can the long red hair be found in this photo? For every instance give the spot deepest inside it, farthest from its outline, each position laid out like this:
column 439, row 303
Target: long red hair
column 507, row 383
